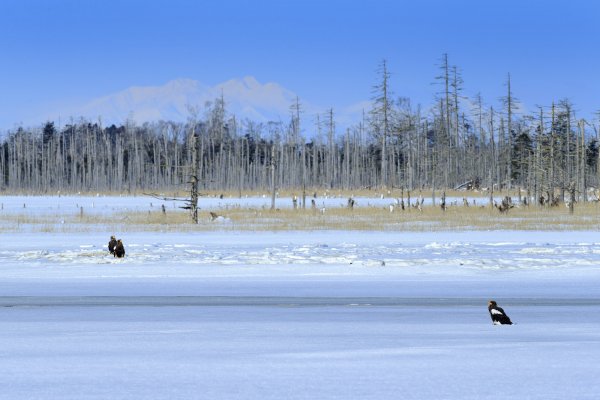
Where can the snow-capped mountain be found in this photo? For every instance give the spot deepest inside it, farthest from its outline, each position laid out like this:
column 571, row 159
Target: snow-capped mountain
column 245, row 98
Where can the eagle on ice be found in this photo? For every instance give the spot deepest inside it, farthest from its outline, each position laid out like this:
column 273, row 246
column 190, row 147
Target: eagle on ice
column 119, row 249
column 498, row 315
column 112, row 244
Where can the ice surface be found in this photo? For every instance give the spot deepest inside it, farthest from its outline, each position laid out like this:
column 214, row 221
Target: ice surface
column 267, row 352
column 300, row 315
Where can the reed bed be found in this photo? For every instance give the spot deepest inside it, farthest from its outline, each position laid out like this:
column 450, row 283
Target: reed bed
column 586, row 216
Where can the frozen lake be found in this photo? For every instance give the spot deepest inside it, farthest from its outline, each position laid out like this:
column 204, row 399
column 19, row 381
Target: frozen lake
column 297, row 348
column 62, row 206
column 300, row 315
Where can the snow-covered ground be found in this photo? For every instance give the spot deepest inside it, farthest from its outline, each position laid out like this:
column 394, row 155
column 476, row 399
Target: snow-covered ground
column 299, row 315
column 100, row 204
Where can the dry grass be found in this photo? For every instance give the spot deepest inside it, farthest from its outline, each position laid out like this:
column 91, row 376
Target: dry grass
column 585, row 217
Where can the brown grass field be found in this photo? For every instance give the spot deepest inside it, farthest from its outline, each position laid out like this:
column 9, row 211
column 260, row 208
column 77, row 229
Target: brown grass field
column 586, row 216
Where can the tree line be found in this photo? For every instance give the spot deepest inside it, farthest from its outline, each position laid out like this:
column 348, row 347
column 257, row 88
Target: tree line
column 455, row 143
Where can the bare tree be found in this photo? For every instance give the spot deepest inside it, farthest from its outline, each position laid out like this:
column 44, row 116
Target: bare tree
column 381, row 117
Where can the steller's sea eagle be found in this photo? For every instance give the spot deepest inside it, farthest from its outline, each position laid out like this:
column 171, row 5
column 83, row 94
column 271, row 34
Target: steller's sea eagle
column 119, row 249
column 498, row 315
column 112, row 244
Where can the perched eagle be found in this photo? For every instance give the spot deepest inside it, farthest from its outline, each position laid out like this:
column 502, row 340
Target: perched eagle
column 498, row 315
column 112, row 244
column 119, row 249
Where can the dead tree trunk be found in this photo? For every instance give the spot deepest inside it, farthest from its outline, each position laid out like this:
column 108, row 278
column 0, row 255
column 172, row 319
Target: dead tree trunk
column 273, row 187
column 194, row 178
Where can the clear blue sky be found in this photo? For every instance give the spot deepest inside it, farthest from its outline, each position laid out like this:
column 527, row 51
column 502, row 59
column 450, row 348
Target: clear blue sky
column 67, row 51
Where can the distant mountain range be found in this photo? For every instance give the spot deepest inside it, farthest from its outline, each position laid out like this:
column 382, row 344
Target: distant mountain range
column 244, row 98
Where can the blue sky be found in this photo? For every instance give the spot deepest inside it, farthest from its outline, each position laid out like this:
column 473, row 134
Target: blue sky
column 65, row 52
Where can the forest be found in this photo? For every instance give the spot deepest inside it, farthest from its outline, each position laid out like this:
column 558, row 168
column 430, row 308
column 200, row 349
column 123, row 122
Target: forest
column 457, row 142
